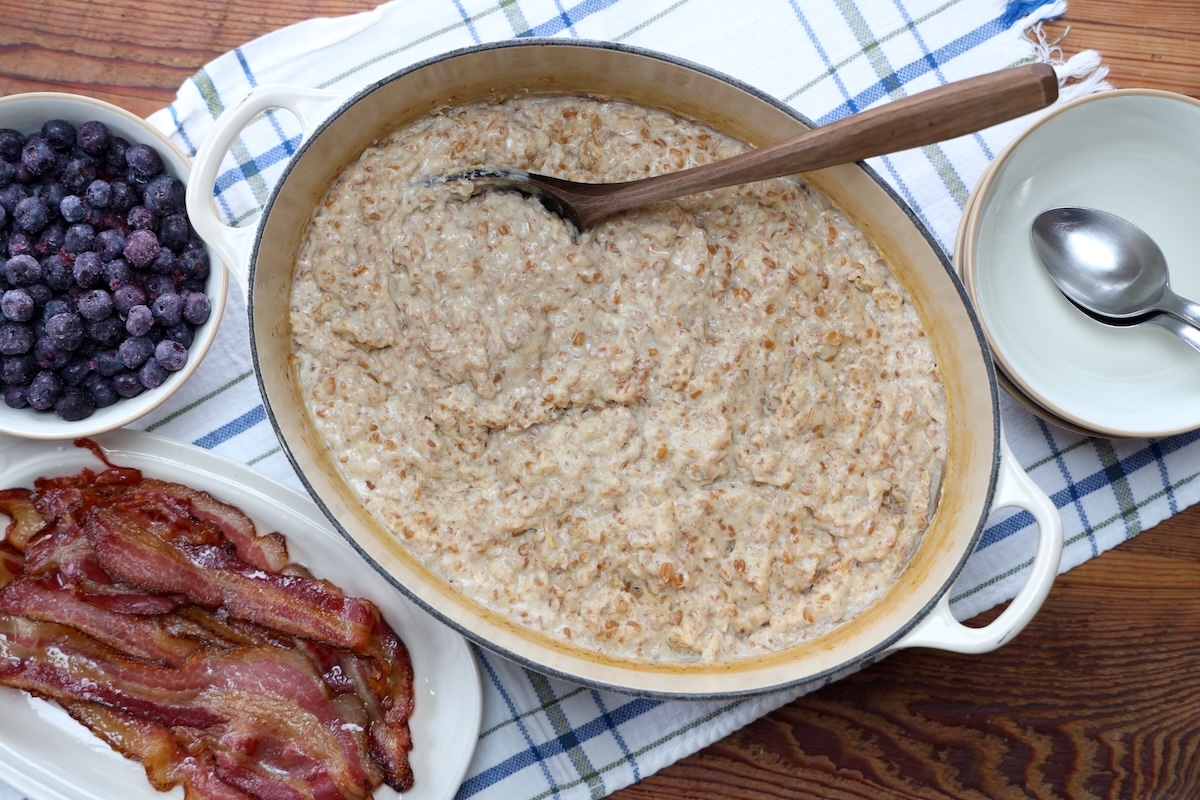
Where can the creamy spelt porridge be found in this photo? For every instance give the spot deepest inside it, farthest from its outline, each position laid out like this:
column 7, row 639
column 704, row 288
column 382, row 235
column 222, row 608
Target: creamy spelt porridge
column 706, row 430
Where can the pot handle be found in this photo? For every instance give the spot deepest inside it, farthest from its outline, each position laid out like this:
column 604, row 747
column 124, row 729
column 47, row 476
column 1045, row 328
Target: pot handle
column 940, row 630
column 233, row 244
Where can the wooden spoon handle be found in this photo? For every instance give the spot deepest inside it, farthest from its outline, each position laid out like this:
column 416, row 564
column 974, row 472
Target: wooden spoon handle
column 936, row 115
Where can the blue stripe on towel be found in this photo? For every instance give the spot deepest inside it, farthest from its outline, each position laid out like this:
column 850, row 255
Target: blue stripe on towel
column 232, row 428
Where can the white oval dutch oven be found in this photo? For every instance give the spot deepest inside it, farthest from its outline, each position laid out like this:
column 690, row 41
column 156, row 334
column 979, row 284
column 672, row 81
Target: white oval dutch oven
column 981, row 474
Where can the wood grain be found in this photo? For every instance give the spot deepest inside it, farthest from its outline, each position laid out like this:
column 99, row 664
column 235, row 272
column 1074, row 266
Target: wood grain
column 1098, row 698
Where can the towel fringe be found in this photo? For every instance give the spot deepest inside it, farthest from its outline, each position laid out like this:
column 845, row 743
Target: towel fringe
column 1079, row 75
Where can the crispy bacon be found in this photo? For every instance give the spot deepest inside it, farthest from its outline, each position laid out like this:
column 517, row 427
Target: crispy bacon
column 139, row 636
column 160, row 619
column 12, row 562
column 26, row 520
column 154, row 746
column 212, row 576
column 262, row 702
column 266, row 552
column 56, row 662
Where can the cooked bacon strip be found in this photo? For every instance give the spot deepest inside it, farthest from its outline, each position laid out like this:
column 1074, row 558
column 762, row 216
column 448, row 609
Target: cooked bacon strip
column 56, row 662
column 11, row 563
column 214, row 625
column 139, row 636
column 65, row 551
column 123, row 600
column 264, row 702
column 211, row 577
column 66, row 555
column 386, row 690
column 154, row 747
column 26, row 522
column 267, row 552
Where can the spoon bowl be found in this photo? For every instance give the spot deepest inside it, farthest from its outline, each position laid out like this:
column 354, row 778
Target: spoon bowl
column 925, row 118
column 1107, row 265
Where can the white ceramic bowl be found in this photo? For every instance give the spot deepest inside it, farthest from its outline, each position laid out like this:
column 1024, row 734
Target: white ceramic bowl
column 27, row 113
column 1131, row 152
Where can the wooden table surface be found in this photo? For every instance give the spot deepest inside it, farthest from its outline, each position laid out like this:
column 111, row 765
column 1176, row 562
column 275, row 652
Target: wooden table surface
column 1098, row 697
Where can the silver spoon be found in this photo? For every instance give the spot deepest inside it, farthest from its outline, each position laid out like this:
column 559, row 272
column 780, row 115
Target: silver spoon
column 1160, row 319
column 1107, row 265
column 924, row 118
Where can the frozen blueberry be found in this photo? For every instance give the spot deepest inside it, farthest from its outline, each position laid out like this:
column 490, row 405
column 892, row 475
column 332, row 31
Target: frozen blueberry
column 93, row 138
column 44, row 390
column 3, row 213
column 141, row 247
column 107, row 332
column 164, row 194
column 135, row 351
column 196, row 307
column 165, row 263
column 21, row 244
column 73, row 208
column 22, row 270
column 12, row 194
column 65, row 330
column 75, row 370
column 80, row 237
column 17, row 305
column 170, row 354
column 18, row 369
column 99, row 193
column 11, row 142
column 40, row 294
column 87, row 270
column 101, row 390
column 193, row 266
column 121, row 197
column 143, row 160
column 173, row 232
column 142, row 218
column 57, row 305
column 51, row 239
column 182, row 333
column 152, row 374
column 17, row 396
column 74, row 404
column 31, row 214
column 38, row 156
column 7, row 173
column 109, row 244
column 78, row 174
column 156, row 285
column 167, row 309
column 49, row 355
column 16, row 338
column 127, row 296
column 114, row 157
column 107, row 362
column 116, row 273
column 60, row 133
column 139, row 320
column 94, row 304
column 127, row 384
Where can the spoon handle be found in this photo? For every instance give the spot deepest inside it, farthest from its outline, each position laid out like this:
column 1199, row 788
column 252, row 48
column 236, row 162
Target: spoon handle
column 1184, row 309
column 1186, row 332
column 935, row 115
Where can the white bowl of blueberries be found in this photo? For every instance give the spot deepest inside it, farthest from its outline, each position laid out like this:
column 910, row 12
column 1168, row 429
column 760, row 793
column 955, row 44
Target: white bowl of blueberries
column 108, row 298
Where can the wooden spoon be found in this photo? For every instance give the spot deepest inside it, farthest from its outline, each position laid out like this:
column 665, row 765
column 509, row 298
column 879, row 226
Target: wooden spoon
column 936, row 115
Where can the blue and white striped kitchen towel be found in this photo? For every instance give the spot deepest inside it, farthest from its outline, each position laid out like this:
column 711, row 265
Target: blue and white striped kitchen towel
column 543, row 737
